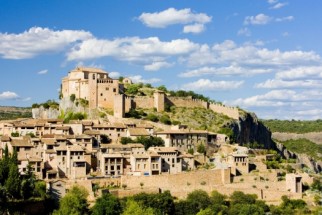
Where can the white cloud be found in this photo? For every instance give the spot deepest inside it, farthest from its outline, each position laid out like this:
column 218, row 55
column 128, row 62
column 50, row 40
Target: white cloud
column 38, row 40
column 226, row 71
column 172, row 16
column 277, row 98
column 277, row 83
column 300, row 72
column 139, row 79
column 155, row 66
column 272, row 1
column 260, row 19
column 283, row 19
column 279, row 5
column 8, row 95
column 250, row 56
column 206, row 84
column 244, row 31
column 43, row 72
column 131, row 49
column 114, row 74
column 195, row 28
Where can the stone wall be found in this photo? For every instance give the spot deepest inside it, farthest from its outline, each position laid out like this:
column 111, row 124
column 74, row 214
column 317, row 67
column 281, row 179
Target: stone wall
column 232, row 112
column 180, row 184
column 144, row 102
column 186, row 102
column 42, row 113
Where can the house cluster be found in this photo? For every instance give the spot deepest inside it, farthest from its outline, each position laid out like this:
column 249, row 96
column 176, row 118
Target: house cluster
column 80, row 148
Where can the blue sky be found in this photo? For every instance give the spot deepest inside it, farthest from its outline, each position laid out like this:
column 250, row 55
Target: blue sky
column 261, row 55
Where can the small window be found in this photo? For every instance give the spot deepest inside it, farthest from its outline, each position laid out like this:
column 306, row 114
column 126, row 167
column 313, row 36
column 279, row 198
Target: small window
column 93, row 76
column 114, row 90
column 101, row 94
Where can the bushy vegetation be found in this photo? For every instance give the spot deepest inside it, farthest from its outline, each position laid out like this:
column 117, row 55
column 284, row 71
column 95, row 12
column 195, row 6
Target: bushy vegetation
column 14, row 113
column 146, row 141
column 14, row 186
column 293, row 126
column 72, row 116
column 48, row 104
column 197, row 202
column 304, row 146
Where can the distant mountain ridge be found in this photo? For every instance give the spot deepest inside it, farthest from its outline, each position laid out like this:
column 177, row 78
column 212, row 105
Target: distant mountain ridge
column 13, row 112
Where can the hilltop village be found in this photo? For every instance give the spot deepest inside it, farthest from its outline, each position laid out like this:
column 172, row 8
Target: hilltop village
column 125, row 155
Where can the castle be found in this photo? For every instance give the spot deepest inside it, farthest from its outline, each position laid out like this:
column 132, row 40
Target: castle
column 101, row 91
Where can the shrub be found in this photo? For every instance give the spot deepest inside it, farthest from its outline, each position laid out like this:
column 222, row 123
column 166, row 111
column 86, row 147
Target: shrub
column 165, row 119
column 72, row 97
column 152, row 117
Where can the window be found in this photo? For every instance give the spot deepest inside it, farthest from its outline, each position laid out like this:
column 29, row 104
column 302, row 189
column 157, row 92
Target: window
column 114, row 90
column 93, row 76
column 101, row 94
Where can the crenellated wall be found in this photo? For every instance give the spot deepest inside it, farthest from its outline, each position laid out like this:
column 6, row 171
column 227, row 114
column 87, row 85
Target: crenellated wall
column 232, row 112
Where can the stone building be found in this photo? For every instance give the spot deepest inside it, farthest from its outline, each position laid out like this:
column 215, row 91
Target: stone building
column 293, row 183
column 93, row 85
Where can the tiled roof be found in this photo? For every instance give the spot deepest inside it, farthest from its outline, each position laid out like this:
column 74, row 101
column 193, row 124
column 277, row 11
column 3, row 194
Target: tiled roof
column 138, row 132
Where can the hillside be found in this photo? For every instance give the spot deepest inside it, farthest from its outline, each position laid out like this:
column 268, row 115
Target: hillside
column 9, row 112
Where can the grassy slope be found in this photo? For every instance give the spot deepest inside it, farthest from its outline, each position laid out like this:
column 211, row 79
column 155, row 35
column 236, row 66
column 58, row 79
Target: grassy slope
column 293, row 126
column 14, row 112
column 304, row 146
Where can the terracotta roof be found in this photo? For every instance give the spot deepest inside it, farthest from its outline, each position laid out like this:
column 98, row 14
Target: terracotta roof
column 20, row 143
column 61, row 148
column 119, row 125
column 49, row 141
column 163, row 149
column 144, row 126
column 92, row 132
column 48, row 136
column 117, row 146
column 138, row 132
column 76, row 148
column 140, row 155
column 83, row 136
column 64, row 128
column 50, row 151
column 5, row 138
column 186, row 131
column 87, row 123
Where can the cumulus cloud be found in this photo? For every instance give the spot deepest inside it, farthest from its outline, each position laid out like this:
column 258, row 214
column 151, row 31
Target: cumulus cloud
column 249, row 56
column 287, row 18
column 277, row 83
column 272, row 1
column 208, row 85
column 244, row 31
column 8, row 95
column 279, row 5
column 114, row 74
column 38, row 40
column 224, row 71
column 140, row 79
column 300, row 72
column 155, row 66
column 260, row 19
column 43, row 72
column 131, row 48
column 195, row 28
column 172, row 16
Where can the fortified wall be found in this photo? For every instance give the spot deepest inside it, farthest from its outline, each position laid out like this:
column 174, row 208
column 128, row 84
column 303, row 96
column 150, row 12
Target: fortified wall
column 160, row 100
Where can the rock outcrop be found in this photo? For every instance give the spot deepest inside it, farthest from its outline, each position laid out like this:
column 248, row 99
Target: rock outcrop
column 42, row 113
column 248, row 129
column 303, row 159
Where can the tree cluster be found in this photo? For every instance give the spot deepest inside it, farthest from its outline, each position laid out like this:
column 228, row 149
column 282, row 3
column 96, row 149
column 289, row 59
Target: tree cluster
column 146, row 141
column 14, row 186
column 197, row 202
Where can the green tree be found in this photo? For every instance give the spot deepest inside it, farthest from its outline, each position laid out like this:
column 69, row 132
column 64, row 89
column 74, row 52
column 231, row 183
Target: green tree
column 165, row 119
column 108, row 205
column 239, row 197
column 162, row 88
column 134, row 208
column 28, row 183
column 207, row 211
column 162, row 203
column 201, row 148
column 152, row 117
column 74, row 202
column 72, row 97
column 126, row 140
column 12, row 184
column 199, row 199
column 132, row 89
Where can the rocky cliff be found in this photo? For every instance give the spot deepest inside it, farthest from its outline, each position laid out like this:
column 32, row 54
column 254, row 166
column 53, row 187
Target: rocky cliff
column 303, row 159
column 248, row 129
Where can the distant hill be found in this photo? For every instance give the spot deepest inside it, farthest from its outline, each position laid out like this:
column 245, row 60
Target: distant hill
column 10, row 112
